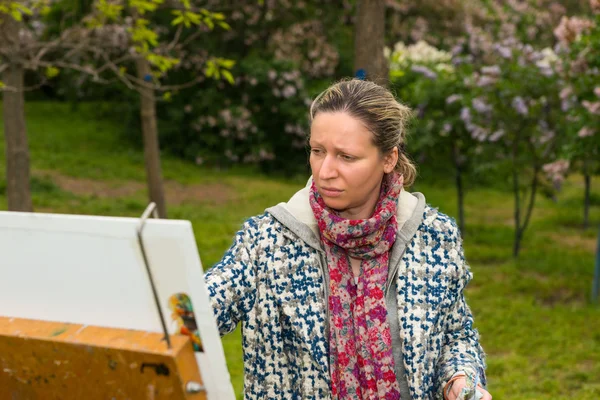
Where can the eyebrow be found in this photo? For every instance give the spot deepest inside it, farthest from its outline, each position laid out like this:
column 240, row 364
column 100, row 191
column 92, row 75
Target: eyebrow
column 338, row 149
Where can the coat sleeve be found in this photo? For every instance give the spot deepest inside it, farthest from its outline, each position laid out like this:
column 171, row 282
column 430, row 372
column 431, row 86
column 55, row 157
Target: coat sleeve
column 231, row 283
column 461, row 351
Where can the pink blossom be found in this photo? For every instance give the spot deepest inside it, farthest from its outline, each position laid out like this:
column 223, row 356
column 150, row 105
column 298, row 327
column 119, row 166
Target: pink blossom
column 570, row 28
column 597, row 89
column 519, row 105
column 424, row 71
column 504, row 51
column 593, row 108
column 446, row 129
column 486, row 80
column 453, row 98
column 595, row 5
column 465, row 115
column 493, row 70
column 556, row 172
column 494, row 137
column 481, row 106
column 288, row 91
column 566, row 92
column 585, row 132
column 479, row 133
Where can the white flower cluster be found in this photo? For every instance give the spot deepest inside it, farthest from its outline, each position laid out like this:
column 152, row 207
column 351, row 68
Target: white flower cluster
column 420, row 53
column 556, row 172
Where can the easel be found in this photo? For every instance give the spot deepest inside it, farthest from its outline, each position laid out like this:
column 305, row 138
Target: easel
column 47, row 359
column 51, row 360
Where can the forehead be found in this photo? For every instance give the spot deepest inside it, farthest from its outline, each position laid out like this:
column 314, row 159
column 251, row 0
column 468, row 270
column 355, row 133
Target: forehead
column 339, row 128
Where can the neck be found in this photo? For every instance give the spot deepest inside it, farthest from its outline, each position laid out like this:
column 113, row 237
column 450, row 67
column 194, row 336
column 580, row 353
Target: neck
column 365, row 210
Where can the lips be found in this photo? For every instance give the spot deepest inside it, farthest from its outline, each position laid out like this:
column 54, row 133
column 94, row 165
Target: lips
column 330, row 192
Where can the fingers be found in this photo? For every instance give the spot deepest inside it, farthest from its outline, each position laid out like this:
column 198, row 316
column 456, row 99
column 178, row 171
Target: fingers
column 457, row 386
column 486, row 394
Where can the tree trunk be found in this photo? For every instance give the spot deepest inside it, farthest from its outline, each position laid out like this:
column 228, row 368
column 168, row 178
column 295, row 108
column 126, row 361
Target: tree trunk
column 369, row 41
column 586, row 202
column 516, row 189
column 15, row 133
column 459, row 189
column 517, row 215
column 151, row 146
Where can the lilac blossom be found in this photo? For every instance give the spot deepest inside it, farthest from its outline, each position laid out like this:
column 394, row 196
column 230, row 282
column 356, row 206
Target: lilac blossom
column 593, row 108
column 481, row 106
column 486, row 80
column 519, row 105
column 446, row 129
column 288, row 91
column 465, row 115
column 424, row 71
column 556, row 172
column 453, row 98
column 585, row 132
column 479, row 133
column 569, row 29
column 504, row 51
column 494, row 137
column 492, row 70
column 566, row 92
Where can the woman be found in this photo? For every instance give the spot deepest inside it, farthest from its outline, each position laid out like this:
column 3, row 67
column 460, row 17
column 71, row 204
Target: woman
column 353, row 289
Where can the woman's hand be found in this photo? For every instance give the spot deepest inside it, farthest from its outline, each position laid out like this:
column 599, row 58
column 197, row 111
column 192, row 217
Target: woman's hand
column 459, row 384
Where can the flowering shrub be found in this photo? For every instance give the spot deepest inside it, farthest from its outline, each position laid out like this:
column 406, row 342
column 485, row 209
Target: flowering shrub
column 579, row 46
column 284, row 55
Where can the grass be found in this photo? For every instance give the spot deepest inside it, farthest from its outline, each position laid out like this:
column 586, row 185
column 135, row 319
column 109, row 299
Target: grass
column 537, row 325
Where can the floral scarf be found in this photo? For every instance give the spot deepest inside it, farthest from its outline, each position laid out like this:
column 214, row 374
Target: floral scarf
column 361, row 358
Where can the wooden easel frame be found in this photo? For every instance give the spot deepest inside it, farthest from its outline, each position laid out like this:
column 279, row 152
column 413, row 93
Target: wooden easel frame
column 52, row 360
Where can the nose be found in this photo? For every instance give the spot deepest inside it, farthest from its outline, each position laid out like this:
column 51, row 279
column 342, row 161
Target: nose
column 328, row 168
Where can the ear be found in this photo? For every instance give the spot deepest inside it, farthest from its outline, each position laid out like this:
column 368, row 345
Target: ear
column 390, row 160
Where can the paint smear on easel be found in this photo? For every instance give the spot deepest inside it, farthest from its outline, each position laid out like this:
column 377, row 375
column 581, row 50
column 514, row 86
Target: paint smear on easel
column 183, row 313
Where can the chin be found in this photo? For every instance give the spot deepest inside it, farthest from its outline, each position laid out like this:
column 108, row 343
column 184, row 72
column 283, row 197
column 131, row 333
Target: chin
column 335, row 204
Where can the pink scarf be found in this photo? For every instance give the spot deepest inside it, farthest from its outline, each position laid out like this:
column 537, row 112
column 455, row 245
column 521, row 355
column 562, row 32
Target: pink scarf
column 361, row 358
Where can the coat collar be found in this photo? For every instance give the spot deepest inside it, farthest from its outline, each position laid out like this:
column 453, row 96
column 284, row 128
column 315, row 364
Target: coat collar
column 296, row 214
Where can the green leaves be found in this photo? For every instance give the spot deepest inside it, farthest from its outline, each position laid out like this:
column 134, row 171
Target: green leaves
column 142, row 36
column 163, row 63
column 143, row 6
column 15, row 10
column 52, row 72
column 218, row 68
column 186, row 18
column 109, row 10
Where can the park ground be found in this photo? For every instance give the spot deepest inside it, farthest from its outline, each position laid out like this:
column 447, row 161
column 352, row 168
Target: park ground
column 537, row 324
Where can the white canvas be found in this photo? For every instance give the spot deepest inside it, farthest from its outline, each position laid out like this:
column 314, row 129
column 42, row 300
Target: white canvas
column 89, row 270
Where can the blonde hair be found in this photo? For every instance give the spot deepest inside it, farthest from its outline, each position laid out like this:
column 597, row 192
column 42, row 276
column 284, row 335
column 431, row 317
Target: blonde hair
column 378, row 109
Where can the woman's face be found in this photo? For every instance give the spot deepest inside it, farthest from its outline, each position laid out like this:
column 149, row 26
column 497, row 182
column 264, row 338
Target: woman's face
column 347, row 167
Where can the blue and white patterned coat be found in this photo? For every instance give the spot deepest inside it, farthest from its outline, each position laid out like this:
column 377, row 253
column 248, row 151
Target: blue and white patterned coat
column 272, row 280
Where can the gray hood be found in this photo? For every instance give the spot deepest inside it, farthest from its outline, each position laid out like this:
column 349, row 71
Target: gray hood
column 297, row 216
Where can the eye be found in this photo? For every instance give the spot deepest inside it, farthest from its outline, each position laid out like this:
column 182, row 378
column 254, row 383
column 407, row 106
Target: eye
column 316, row 152
column 347, row 157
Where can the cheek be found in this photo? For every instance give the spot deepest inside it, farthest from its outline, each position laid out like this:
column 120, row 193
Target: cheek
column 314, row 166
column 363, row 179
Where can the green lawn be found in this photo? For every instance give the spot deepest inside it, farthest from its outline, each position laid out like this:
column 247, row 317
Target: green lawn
column 541, row 334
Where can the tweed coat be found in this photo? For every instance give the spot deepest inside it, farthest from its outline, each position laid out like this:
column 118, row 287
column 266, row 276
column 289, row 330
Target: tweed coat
column 273, row 280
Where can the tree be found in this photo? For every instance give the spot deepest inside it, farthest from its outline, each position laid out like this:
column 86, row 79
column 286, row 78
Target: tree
column 426, row 77
column 579, row 43
column 15, row 133
column 369, row 41
column 516, row 112
column 107, row 41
